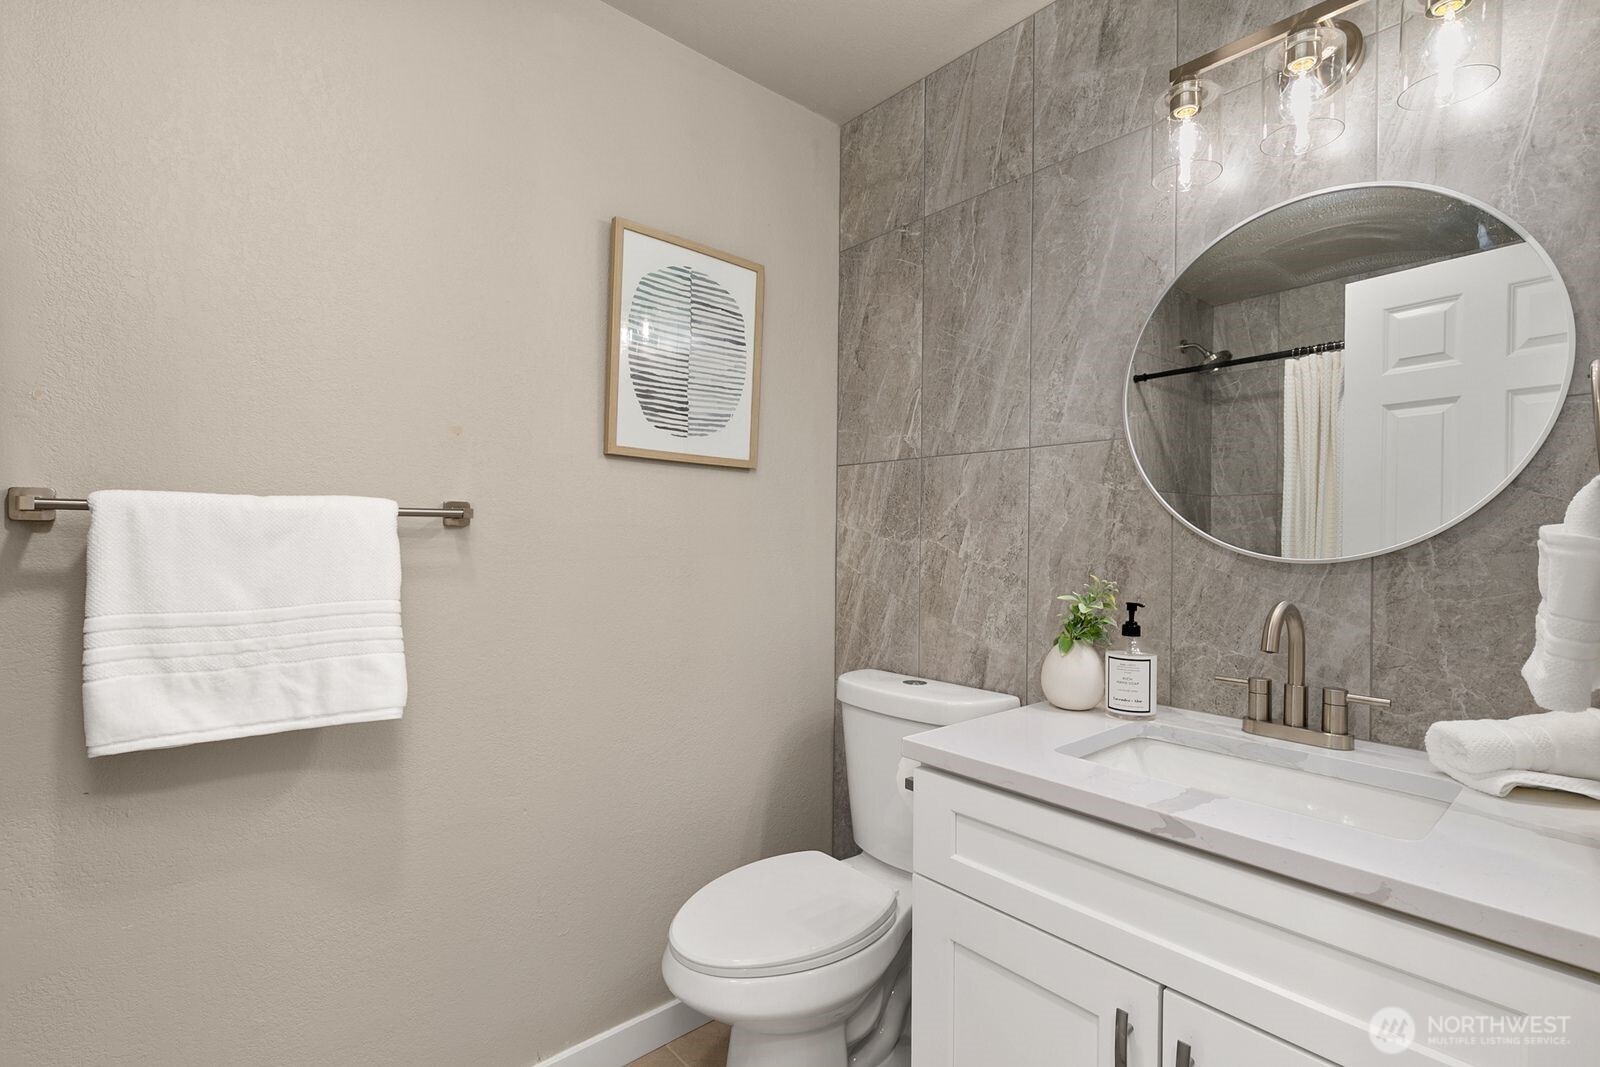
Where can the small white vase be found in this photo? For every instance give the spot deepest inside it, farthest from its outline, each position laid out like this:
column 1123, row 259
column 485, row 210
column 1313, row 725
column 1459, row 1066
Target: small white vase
column 1075, row 681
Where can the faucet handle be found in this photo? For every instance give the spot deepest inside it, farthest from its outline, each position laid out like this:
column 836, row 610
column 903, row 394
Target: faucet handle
column 1260, row 690
column 1335, row 708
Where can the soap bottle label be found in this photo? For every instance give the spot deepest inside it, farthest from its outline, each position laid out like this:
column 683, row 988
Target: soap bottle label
column 1130, row 682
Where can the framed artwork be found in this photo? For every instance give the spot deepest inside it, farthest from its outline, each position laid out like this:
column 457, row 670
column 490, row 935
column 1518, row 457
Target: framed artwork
column 684, row 366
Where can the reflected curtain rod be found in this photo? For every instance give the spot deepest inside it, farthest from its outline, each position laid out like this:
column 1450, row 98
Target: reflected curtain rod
column 1287, row 353
column 29, row 504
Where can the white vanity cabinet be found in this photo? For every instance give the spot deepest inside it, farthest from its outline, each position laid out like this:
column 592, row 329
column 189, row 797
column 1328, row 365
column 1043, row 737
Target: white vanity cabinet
column 1193, row 1035
column 992, row 990
column 1036, row 926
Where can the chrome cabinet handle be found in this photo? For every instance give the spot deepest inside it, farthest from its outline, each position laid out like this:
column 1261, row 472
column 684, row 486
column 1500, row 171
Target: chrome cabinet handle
column 1124, row 1028
column 1185, row 1057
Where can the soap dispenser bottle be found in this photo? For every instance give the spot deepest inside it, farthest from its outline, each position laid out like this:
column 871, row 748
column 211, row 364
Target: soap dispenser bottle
column 1131, row 673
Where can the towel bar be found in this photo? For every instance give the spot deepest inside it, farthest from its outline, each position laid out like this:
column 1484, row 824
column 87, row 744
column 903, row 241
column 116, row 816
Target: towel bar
column 30, row 504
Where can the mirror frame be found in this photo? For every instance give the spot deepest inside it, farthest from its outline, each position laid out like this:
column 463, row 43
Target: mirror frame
column 1544, row 435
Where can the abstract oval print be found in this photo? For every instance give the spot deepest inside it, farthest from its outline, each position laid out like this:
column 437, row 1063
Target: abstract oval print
column 687, row 351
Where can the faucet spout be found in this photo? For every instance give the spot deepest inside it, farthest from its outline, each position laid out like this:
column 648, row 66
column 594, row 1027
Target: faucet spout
column 1286, row 616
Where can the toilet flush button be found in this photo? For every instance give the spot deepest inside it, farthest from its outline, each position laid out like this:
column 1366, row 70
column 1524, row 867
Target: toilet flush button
column 913, row 681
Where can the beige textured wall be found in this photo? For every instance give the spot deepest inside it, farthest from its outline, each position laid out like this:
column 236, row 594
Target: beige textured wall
column 342, row 246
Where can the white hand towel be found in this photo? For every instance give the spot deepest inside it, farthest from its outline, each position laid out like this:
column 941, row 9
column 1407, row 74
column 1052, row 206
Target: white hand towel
column 1553, row 750
column 211, row 616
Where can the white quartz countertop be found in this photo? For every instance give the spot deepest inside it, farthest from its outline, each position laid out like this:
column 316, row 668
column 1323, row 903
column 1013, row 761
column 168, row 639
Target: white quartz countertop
column 1523, row 871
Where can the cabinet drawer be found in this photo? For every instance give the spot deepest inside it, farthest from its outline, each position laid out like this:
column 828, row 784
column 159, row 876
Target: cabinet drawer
column 1309, row 966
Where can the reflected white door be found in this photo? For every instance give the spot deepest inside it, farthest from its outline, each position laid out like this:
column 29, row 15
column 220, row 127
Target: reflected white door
column 1451, row 373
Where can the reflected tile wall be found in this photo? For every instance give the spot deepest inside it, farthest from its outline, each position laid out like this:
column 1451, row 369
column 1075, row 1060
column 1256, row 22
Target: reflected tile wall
column 930, row 576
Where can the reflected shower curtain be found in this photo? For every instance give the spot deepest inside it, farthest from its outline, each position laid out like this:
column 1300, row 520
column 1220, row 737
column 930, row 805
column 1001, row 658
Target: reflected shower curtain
column 1313, row 495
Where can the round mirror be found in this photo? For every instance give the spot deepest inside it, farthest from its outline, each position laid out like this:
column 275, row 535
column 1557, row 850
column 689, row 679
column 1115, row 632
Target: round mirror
column 1350, row 372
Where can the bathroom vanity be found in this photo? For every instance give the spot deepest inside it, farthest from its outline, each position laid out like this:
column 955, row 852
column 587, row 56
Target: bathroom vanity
column 1179, row 893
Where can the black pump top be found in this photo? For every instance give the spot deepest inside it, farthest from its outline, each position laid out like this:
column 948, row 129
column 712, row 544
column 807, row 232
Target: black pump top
column 1131, row 627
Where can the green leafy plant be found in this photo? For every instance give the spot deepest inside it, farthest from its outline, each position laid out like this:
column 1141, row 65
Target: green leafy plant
column 1087, row 616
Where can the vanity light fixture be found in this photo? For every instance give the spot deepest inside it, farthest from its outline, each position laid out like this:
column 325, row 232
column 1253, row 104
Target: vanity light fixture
column 1310, row 56
column 1301, row 109
column 1183, row 153
column 1451, row 51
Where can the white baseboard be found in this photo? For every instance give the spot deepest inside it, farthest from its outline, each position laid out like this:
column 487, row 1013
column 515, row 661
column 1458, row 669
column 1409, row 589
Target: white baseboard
column 626, row 1042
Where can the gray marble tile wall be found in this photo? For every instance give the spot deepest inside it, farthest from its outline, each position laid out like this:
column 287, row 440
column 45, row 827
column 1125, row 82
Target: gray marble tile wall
column 1001, row 249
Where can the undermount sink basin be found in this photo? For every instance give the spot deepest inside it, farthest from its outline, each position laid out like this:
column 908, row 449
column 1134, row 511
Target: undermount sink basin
column 1369, row 796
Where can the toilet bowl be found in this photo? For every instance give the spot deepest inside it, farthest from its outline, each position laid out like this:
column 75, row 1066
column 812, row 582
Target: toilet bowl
column 800, row 1011
column 808, row 958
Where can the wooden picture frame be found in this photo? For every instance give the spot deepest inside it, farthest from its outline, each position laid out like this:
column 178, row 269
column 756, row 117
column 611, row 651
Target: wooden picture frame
column 683, row 370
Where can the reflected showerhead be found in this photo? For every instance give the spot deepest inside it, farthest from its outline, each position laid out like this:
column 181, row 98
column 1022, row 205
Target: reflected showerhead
column 1208, row 357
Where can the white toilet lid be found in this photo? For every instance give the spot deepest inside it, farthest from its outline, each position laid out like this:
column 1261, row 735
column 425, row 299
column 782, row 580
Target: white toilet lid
column 781, row 915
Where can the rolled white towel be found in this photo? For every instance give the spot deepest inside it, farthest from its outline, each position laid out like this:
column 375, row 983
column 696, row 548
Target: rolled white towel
column 1563, row 670
column 1553, row 750
column 1569, row 573
column 1583, row 513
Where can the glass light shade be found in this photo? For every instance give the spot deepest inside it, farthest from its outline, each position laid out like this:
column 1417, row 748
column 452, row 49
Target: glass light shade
column 1450, row 51
column 1184, row 150
column 1301, row 108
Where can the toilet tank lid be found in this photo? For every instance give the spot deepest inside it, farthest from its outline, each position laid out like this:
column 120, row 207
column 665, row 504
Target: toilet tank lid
column 924, row 700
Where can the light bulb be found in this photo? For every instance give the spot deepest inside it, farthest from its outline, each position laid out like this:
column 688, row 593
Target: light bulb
column 1188, row 145
column 1449, row 44
column 1299, row 98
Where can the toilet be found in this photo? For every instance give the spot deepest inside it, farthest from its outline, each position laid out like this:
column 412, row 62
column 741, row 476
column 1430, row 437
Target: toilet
column 808, row 958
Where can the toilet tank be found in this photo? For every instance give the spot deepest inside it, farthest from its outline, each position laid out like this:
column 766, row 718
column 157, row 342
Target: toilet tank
column 879, row 709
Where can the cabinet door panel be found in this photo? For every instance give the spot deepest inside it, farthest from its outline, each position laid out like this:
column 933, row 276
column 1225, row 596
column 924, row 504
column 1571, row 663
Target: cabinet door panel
column 1217, row 1040
column 991, row 990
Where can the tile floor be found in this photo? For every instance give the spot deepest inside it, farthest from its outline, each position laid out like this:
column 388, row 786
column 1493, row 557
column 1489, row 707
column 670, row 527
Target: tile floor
column 705, row 1047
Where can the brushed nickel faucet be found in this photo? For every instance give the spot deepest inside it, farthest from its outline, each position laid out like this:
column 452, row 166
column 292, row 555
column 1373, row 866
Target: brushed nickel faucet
column 1335, row 732
column 1285, row 616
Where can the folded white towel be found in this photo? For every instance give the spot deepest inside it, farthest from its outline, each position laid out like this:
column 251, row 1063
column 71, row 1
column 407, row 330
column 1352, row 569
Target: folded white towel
column 210, row 616
column 1552, row 750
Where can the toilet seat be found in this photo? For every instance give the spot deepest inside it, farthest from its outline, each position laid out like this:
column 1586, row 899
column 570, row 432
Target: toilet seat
column 782, row 915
